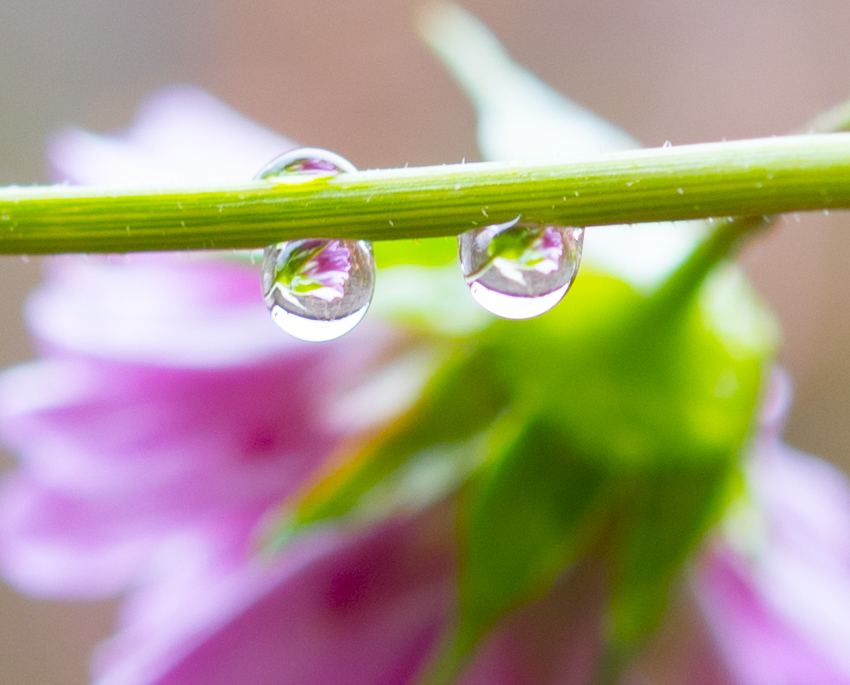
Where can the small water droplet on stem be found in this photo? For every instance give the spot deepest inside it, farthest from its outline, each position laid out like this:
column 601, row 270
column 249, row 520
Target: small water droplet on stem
column 520, row 270
column 316, row 289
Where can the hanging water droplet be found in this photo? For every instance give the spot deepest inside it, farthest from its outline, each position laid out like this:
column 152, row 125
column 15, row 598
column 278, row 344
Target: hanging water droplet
column 316, row 289
column 520, row 270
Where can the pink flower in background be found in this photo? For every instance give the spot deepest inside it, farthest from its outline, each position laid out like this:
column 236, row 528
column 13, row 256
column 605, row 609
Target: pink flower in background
column 770, row 594
column 150, row 473
column 776, row 591
column 168, row 416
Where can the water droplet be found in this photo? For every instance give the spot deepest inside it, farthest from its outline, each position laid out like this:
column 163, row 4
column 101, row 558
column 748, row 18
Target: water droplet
column 303, row 165
column 519, row 270
column 681, row 191
column 316, row 289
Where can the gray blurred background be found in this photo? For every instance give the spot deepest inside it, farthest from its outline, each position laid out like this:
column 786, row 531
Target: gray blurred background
column 352, row 76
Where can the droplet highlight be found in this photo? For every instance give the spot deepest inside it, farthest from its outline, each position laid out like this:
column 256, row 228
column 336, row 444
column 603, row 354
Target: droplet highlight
column 316, row 289
column 519, row 270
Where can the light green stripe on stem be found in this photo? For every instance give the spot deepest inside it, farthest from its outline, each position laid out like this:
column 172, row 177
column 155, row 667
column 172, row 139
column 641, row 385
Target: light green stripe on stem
column 750, row 177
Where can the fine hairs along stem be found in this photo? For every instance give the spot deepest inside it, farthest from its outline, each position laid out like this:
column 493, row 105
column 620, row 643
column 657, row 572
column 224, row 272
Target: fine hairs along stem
column 739, row 178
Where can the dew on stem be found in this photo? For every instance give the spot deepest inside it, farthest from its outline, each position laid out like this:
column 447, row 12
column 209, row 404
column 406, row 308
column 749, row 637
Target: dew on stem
column 520, row 270
column 316, row 289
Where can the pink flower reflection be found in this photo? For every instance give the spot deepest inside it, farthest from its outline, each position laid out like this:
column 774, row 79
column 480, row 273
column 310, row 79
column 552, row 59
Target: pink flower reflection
column 313, row 268
column 516, row 249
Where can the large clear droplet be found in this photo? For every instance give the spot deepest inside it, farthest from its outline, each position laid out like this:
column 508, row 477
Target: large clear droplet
column 316, row 289
column 519, row 270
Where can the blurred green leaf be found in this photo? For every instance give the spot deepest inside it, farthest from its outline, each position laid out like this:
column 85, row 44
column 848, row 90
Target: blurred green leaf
column 668, row 511
column 460, row 403
column 624, row 409
column 612, row 425
column 522, row 521
column 424, row 252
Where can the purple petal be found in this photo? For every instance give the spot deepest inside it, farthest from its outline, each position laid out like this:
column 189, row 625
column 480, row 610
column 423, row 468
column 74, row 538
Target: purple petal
column 52, row 544
column 760, row 647
column 356, row 609
column 200, row 438
column 554, row 640
column 776, row 592
column 331, row 265
column 182, row 136
column 156, row 309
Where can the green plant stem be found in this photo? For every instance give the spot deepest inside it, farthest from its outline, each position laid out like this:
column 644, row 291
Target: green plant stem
column 728, row 238
column 732, row 233
column 751, row 177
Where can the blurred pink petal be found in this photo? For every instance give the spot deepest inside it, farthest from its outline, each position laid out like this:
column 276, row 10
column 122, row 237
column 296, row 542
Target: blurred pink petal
column 182, row 136
column 776, row 591
column 169, row 415
column 156, row 309
column 554, row 640
column 121, row 452
column 759, row 646
column 51, row 543
column 364, row 608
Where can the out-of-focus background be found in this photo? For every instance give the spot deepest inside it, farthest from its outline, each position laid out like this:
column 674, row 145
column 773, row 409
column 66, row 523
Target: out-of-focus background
column 353, row 77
